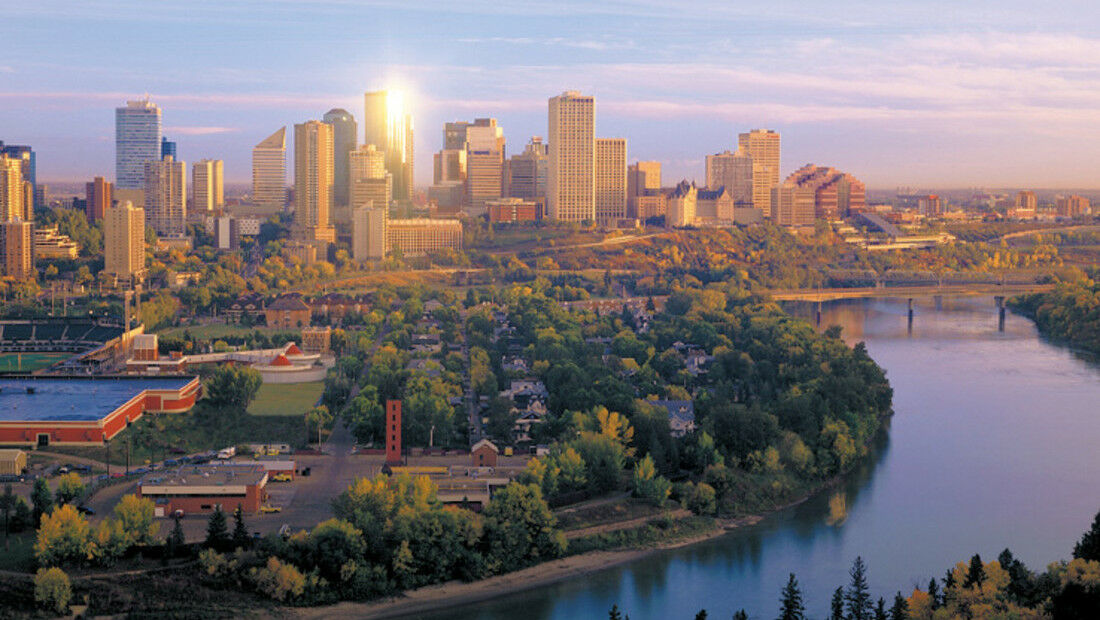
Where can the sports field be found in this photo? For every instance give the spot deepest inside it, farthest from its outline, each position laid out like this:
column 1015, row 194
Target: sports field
column 29, row 362
column 286, row 398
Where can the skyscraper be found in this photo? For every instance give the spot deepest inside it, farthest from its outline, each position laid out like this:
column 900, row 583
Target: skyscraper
column 98, row 195
column 368, row 181
column 484, row 164
column 642, row 176
column 454, row 135
column 269, row 170
column 368, row 233
column 732, row 171
column 12, row 190
column 26, row 155
column 124, row 242
column 762, row 145
column 313, row 178
column 571, row 191
column 207, row 186
column 387, row 126
column 167, row 147
column 610, row 179
column 137, row 140
column 345, row 139
column 527, row 172
column 166, row 196
column 17, row 249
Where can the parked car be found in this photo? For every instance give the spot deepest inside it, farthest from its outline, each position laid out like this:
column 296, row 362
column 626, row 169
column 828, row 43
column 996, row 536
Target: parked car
column 84, row 510
column 171, row 463
column 64, row 469
column 266, row 508
column 82, row 468
column 282, row 478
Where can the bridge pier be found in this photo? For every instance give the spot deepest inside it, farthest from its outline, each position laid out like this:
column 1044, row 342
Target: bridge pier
column 817, row 313
column 1000, row 300
column 910, row 316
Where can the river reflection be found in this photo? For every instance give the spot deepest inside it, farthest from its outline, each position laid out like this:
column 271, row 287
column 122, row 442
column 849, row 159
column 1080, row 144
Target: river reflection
column 992, row 445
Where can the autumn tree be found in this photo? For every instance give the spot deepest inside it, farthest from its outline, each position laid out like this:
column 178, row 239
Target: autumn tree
column 135, row 517
column 53, row 590
column 63, row 537
column 520, row 529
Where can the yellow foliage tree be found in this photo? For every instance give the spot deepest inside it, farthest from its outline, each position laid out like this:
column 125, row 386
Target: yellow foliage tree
column 135, row 518
column 64, row 536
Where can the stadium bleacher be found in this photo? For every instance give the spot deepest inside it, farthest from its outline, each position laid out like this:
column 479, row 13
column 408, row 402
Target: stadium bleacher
column 49, row 332
column 103, row 333
column 18, row 331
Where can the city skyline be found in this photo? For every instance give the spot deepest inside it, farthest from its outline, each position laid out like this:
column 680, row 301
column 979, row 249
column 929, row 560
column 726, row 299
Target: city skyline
column 936, row 95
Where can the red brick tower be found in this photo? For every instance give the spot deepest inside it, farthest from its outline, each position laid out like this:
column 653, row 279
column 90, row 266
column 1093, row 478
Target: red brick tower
column 393, row 432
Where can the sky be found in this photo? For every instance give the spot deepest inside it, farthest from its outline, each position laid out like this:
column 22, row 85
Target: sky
column 932, row 94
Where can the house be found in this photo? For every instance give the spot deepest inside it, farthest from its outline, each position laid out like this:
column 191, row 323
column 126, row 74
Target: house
column 524, row 391
column 484, row 454
column 513, row 363
column 535, row 413
column 339, row 305
column 425, row 366
column 696, row 361
column 246, row 305
column 426, row 343
column 681, row 415
column 12, row 462
column 288, row 312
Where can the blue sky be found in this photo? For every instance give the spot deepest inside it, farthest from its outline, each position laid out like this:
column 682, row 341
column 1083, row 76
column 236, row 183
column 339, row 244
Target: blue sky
column 923, row 94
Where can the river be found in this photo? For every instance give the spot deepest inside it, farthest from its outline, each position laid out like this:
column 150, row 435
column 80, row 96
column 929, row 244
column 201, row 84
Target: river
column 993, row 444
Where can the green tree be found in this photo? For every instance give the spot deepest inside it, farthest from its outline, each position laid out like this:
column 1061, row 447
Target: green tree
column 858, row 597
column 240, row 538
column 233, row 386
column 702, row 615
column 975, row 575
column 790, row 601
column 740, row 614
column 42, row 499
column 900, row 609
column 934, row 593
column 614, row 613
column 702, row 499
column 53, row 590
column 836, row 605
column 318, row 417
column 1088, row 548
column 217, row 530
column 648, row 485
column 69, row 487
column 7, row 506
column 880, row 609
column 520, row 529
column 176, row 539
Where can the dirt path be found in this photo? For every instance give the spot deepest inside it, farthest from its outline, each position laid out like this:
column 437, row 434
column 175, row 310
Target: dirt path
column 679, row 513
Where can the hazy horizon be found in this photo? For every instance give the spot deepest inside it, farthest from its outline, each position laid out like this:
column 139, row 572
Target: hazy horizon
column 929, row 96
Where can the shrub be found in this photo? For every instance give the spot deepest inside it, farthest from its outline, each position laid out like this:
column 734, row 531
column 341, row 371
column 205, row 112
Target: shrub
column 53, row 590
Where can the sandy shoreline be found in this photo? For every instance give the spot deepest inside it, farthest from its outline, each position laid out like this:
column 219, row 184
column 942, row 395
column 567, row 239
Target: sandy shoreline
column 454, row 593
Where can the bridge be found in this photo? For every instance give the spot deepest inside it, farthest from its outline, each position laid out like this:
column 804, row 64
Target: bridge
column 910, row 291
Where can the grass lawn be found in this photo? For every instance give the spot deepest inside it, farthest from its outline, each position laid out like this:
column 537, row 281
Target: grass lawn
column 285, row 399
column 29, row 362
column 19, row 556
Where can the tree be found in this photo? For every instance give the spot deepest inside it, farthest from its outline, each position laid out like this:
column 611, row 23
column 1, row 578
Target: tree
column 7, row 505
column 614, row 613
column 934, row 593
column 217, row 531
column 880, row 609
column 53, row 590
column 240, row 532
column 135, row 517
column 740, row 614
column 318, row 417
column 858, row 598
column 42, row 499
column 233, row 386
column 702, row 499
column 176, row 539
column 1088, row 548
column 702, row 615
column 790, row 601
column 975, row 574
column 520, row 529
column 900, row 609
column 648, row 485
column 836, row 606
column 279, row 580
column 64, row 536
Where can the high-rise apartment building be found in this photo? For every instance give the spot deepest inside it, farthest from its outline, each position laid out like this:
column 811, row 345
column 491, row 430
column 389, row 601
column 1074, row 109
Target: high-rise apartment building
column 208, row 186
column 13, row 194
column 732, row 171
column 571, row 190
column 368, row 233
column 368, row 182
column 484, row 164
column 17, row 249
column 1071, row 206
column 269, row 171
column 610, row 179
column 137, row 141
column 836, row 194
column 166, row 196
column 762, row 146
column 124, row 242
column 792, row 205
column 345, row 139
column 97, row 198
column 643, row 176
column 527, row 173
column 26, row 155
column 1027, row 200
column 389, row 128
column 313, row 178
column 449, row 166
column 930, row 205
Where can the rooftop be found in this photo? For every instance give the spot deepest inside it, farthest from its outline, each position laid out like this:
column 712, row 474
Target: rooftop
column 74, row 398
column 202, row 476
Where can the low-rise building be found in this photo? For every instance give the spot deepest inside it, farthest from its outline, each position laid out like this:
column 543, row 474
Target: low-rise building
column 49, row 243
column 201, row 489
column 419, row 236
column 681, row 415
column 484, row 454
column 12, row 462
column 288, row 312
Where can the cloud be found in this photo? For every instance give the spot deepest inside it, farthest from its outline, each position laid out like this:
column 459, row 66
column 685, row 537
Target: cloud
column 604, row 44
column 199, row 131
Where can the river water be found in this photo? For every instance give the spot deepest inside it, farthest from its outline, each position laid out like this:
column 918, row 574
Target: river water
column 993, row 444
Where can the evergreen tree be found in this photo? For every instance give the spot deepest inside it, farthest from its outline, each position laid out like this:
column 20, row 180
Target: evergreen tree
column 217, row 531
column 240, row 532
column 900, row 610
column 740, row 614
column 790, row 601
column 614, row 614
column 934, row 593
column 41, row 499
column 975, row 575
column 1089, row 546
column 858, row 597
column 837, row 605
column 880, row 610
column 176, row 539
column 702, row 615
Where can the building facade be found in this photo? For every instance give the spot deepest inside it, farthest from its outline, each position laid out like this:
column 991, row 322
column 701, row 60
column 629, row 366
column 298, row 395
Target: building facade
column 97, row 198
column 345, row 139
column 17, row 249
column 610, row 179
column 419, row 236
column 313, row 178
column 208, row 186
column 732, row 171
column 1072, row 206
column 484, row 164
column 137, row 142
column 368, row 182
column 836, row 194
column 390, row 130
column 762, row 147
column 269, row 171
column 166, row 196
column 514, row 210
column 680, row 209
column 527, row 173
column 124, row 242
column 13, row 194
column 792, row 205
column 368, row 233
column 571, row 188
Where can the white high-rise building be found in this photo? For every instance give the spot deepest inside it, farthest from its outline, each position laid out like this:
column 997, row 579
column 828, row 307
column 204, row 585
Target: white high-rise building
column 732, row 171
column 610, row 179
column 124, row 241
column 207, row 186
column 571, row 188
column 137, row 141
column 368, row 233
column 166, row 196
column 269, row 171
column 484, row 164
column 762, row 146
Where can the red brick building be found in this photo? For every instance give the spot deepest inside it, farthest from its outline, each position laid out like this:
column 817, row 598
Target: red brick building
column 484, row 454
column 201, row 489
column 393, row 432
column 288, row 312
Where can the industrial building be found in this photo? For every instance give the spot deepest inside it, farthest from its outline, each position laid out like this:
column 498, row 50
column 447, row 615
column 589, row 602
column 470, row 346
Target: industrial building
column 201, row 489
